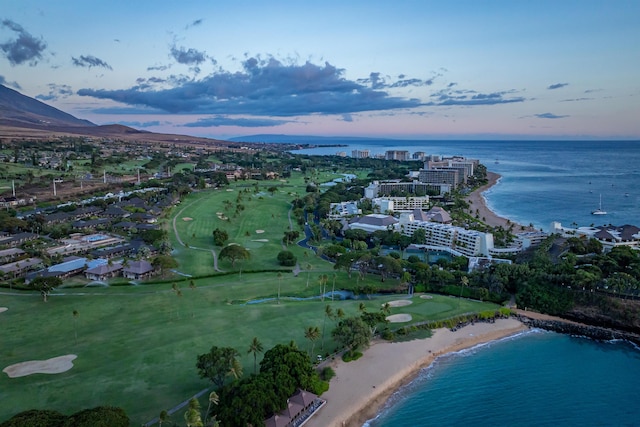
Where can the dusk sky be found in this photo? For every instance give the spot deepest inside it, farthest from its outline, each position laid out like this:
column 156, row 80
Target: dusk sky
column 401, row 69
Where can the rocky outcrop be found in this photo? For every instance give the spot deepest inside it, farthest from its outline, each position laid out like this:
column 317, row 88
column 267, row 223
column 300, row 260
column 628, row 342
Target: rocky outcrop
column 570, row 328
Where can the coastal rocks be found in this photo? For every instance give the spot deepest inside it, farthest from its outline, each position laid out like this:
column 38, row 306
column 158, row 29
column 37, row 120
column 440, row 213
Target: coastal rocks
column 593, row 332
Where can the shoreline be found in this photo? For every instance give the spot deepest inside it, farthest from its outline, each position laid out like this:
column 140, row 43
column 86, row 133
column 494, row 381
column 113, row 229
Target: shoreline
column 478, row 202
column 360, row 388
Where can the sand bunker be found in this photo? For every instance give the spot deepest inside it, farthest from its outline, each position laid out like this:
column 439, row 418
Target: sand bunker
column 260, row 240
column 229, row 189
column 55, row 365
column 259, row 231
column 399, row 303
column 399, row 318
column 426, row 297
column 186, row 218
column 3, row 309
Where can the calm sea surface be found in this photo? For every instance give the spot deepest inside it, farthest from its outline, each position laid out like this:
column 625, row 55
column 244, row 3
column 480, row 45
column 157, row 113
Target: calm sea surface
column 537, row 378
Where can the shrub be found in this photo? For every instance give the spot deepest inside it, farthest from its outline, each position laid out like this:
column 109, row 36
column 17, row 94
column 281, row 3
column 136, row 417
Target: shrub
column 327, row 373
column 287, row 258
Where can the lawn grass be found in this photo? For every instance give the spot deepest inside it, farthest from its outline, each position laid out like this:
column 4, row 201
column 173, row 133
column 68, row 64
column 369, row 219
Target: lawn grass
column 137, row 345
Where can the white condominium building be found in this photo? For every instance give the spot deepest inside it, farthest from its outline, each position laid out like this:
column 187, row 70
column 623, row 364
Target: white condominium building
column 468, row 242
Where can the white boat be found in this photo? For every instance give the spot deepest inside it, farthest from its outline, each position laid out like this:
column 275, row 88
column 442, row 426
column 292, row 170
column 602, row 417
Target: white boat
column 599, row 211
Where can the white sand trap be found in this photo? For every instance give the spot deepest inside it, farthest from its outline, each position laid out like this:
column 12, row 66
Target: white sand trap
column 219, row 213
column 399, row 303
column 399, row 318
column 55, row 365
column 186, row 218
column 3, row 309
column 229, row 189
column 259, row 231
column 260, row 240
column 426, row 297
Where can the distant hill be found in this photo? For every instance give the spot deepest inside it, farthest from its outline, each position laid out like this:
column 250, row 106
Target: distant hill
column 19, row 110
column 23, row 117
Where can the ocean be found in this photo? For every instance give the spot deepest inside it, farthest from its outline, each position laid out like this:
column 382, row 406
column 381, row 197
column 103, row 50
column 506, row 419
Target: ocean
column 537, row 378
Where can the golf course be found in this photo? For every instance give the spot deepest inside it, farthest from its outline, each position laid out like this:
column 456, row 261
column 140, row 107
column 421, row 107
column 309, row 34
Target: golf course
column 136, row 344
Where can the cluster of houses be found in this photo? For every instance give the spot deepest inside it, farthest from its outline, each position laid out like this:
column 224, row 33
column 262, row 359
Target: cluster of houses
column 98, row 237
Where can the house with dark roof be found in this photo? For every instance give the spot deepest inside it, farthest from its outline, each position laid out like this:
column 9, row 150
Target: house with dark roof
column 138, row 270
column 373, row 222
column 300, row 407
column 13, row 240
column 103, row 272
column 70, row 266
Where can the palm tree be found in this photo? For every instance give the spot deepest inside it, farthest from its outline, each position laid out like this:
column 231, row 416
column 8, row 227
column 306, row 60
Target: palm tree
column 362, row 307
column 163, row 418
column 325, row 279
column 333, row 288
column 328, row 313
column 213, row 400
column 464, row 281
column 192, row 415
column 236, row 369
column 312, row 333
column 255, row 347
column 309, row 267
column 75, row 326
column 386, row 308
column 279, row 285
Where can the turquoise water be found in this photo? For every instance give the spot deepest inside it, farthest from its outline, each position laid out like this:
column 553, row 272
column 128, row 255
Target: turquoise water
column 535, row 379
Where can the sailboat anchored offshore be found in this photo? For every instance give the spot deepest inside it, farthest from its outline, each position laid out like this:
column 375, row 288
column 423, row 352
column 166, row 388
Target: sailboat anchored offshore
column 599, row 211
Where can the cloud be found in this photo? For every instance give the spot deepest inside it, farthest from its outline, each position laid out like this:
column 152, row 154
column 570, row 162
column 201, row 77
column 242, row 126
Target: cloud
column 56, row 92
column 159, row 67
column 15, row 85
column 466, row 97
column 549, row 116
column 576, row 99
column 25, row 48
column 188, row 56
column 140, row 124
column 194, row 23
column 557, row 86
column 230, row 121
column 264, row 87
column 347, row 118
column 377, row 81
column 90, row 61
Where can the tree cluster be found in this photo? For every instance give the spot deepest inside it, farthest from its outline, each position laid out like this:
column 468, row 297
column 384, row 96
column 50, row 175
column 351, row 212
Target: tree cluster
column 101, row 416
column 252, row 399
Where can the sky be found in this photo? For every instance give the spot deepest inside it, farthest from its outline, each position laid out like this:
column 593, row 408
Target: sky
column 561, row 69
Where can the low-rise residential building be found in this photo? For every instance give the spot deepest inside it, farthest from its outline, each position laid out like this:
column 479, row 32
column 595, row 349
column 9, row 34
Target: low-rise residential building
column 343, row 210
column 373, row 222
column 103, row 272
column 400, row 204
column 138, row 270
column 609, row 236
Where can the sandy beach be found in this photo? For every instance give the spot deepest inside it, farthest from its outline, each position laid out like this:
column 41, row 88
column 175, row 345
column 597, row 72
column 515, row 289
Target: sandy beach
column 361, row 387
column 477, row 201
